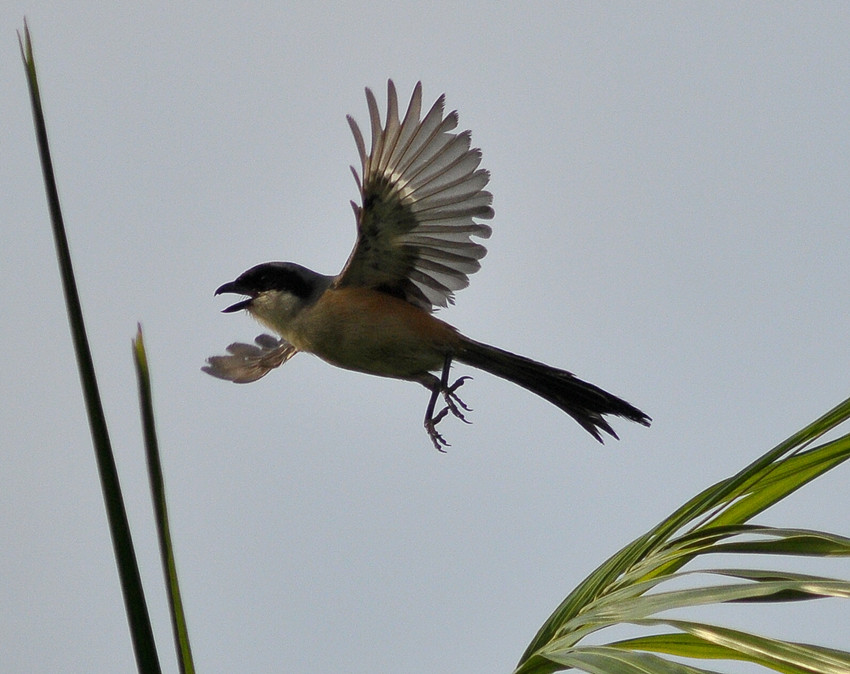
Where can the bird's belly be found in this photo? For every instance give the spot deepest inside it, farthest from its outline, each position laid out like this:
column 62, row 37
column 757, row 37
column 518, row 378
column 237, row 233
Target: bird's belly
column 372, row 332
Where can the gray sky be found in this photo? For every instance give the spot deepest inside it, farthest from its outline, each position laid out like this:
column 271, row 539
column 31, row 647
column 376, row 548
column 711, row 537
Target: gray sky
column 672, row 209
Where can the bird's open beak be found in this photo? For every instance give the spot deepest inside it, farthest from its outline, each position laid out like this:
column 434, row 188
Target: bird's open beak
column 238, row 289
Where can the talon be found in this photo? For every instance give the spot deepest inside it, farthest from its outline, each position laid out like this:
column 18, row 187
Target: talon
column 452, row 407
column 454, row 387
column 430, row 426
column 454, row 402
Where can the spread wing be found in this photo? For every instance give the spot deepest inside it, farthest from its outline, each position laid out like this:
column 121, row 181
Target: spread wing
column 421, row 191
column 247, row 362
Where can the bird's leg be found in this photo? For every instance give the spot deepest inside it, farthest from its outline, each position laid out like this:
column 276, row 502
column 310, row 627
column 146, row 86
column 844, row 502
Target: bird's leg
column 453, row 403
column 431, row 421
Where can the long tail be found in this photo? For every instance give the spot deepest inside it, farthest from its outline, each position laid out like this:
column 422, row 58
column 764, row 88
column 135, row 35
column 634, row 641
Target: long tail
column 584, row 402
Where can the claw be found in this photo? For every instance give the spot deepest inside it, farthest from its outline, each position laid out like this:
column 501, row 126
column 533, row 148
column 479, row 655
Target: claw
column 454, row 387
column 453, row 401
column 453, row 404
column 431, row 427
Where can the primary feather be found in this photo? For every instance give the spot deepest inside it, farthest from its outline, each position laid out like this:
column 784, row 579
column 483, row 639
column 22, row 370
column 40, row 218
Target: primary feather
column 421, row 191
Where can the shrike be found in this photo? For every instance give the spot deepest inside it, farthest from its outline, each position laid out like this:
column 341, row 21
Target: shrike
column 422, row 194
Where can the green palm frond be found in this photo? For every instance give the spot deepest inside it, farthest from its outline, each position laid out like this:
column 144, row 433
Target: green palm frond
column 631, row 587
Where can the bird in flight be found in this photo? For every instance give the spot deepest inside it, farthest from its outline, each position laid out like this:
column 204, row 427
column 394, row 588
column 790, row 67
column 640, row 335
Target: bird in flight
column 422, row 195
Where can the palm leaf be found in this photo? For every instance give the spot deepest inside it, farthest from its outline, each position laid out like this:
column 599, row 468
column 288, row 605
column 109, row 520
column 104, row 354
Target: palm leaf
column 632, row 586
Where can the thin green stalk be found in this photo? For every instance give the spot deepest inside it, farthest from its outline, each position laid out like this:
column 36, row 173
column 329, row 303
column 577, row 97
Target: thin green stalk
column 169, row 568
column 119, row 528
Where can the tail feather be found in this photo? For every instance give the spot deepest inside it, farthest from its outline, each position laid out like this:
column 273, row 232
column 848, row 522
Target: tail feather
column 584, row 402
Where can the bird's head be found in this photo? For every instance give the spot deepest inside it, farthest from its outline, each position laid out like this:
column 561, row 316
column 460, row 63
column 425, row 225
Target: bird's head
column 276, row 292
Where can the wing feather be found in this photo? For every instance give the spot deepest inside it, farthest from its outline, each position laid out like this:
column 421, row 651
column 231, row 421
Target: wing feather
column 377, row 136
column 361, row 146
column 249, row 362
column 421, row 190
column 427, row 138
column 467, row 186
column 408, row 126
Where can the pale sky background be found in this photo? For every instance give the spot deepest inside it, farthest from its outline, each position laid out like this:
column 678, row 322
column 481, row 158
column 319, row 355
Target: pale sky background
column 672, row 211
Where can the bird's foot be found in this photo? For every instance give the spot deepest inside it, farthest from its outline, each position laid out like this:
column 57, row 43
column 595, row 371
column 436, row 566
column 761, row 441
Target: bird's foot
column 454, row 405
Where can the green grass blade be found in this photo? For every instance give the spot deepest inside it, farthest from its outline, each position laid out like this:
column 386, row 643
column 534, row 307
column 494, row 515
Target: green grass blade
column 169, row 568
column 119, row 528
